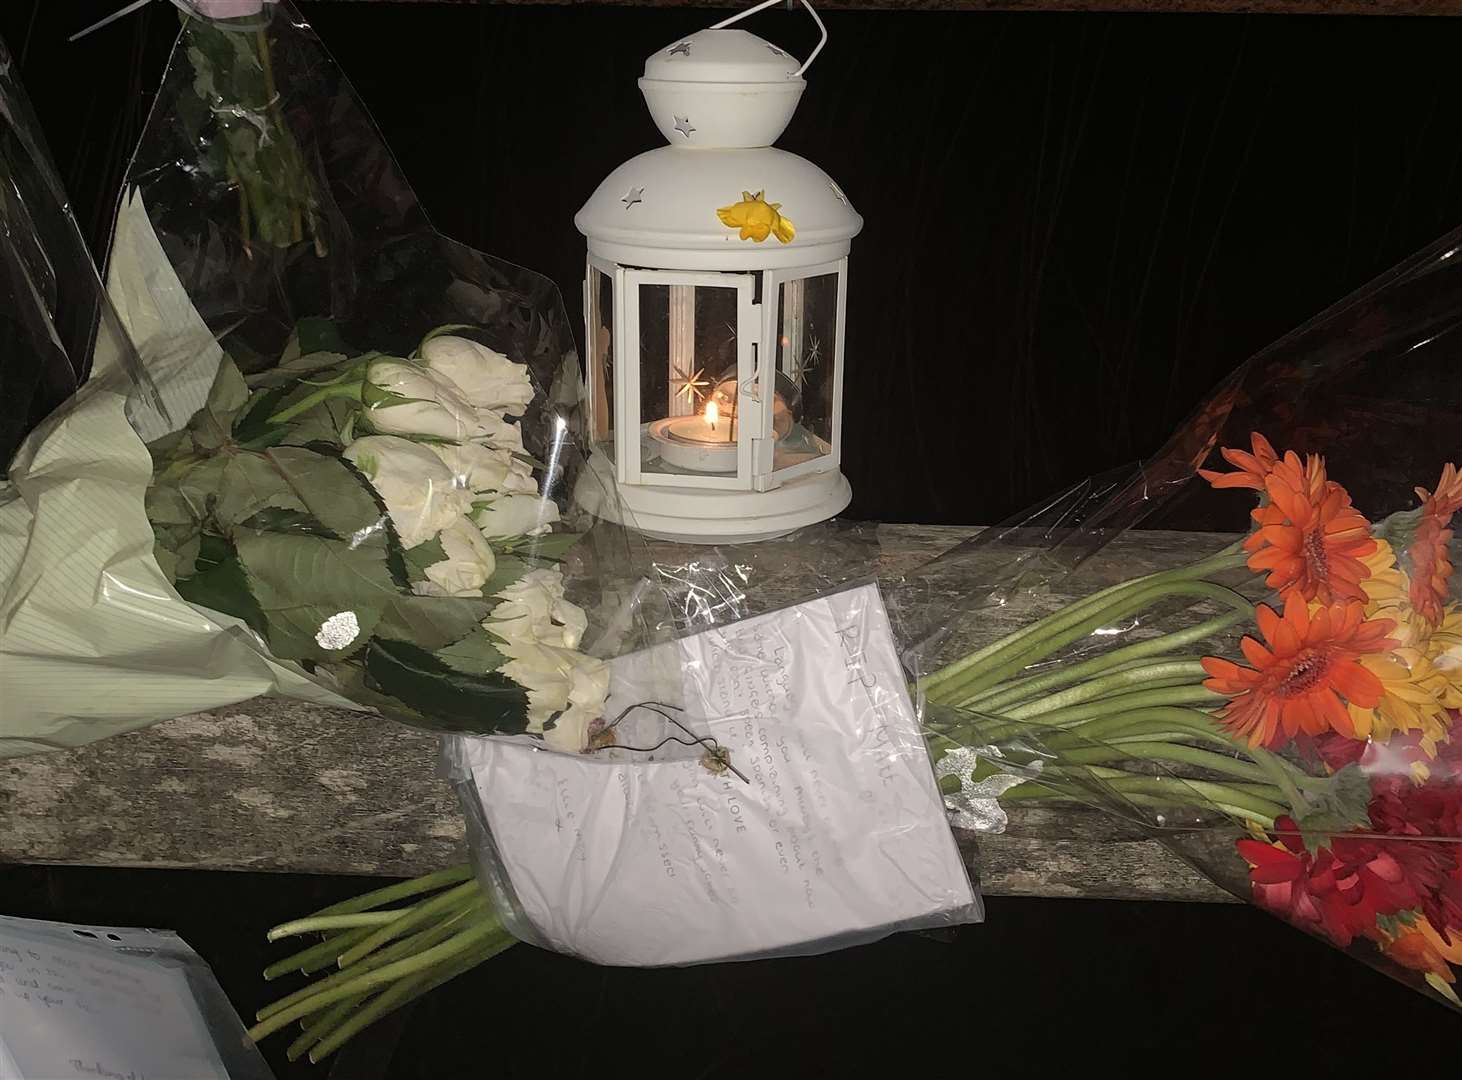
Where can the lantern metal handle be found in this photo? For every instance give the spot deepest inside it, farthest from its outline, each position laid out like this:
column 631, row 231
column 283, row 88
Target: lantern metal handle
column 772, row 3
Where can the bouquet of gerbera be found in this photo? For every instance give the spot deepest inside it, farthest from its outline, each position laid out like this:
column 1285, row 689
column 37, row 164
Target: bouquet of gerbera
column 1286, row 712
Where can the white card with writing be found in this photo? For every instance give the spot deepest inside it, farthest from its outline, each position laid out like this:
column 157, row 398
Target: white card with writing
column 82, row 1003
column 833, row 832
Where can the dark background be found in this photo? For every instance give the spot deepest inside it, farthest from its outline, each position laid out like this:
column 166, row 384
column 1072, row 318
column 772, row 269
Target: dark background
column 1075, row 225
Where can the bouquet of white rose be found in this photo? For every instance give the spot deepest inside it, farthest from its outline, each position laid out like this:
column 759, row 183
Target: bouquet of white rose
column 377, row 519
column 347, row 469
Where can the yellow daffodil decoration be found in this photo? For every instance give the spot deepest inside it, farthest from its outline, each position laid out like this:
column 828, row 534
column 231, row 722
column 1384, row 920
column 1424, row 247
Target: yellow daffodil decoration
column 757, row 219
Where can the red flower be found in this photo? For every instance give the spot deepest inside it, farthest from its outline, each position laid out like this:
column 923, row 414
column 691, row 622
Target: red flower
column 1337, row 891
column 1253, row 468
column 1431, row 565
column 1432, row 817
column 1297, row 683
column 1404, row 756
column 1310, row 539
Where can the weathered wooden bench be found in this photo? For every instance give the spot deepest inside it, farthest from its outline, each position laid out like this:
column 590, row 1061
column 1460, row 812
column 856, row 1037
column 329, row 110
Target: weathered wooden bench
column 273, row 784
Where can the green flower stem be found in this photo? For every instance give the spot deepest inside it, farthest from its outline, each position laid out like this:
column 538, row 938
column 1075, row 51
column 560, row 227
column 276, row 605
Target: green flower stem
column 992, row 729
column 1071, row 628
column 333, row 922
column 1281, row 773
column 1166, row 751
column 1229, row 558
column 1112, row 662
column 1177, row 792
column 453, row 947
column 405, row 991
column 455, row 922
column 413, row 917
column 391, row 893
column 323, row 953
column 1190, row 672
column 1034, row 792
column 309, row 401
column 995, row 698
column 1191, row 722
column 314, row 1032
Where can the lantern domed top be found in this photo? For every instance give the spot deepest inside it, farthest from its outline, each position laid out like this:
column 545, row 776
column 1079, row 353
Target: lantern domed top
column 721, row 89
column 720, row 197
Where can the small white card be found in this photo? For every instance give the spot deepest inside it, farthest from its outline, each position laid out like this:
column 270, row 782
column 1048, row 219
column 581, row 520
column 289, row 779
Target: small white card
column 836, row 835
column 78, row 1003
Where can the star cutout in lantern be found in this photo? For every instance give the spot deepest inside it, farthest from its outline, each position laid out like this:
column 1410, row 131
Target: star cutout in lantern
column 684, row 126
column 683, row 49
column 692, row 387
column 632, row 196
column 804, row 365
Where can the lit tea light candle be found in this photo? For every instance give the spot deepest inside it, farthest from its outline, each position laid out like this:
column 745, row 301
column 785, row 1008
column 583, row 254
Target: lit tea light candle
column 702, row 442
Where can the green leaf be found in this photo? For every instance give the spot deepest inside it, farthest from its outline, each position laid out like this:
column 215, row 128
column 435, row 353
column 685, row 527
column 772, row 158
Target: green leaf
column 229, row 391
column 318, row 334
column 281, row 520
column 248, row 483
column 291, row 371
column 331, row 490
column 253, row 425
column 551, row 547
column 474, row 654
column 1343, row 805
column 423, row 555
column 301, row 581
column 508, row 570
column 167, row 561
column 212, row 426
column 314, row 333
column 329, row 422
column 166, row 505
column 220, row 584
column 1394, row 924
column 432, row 621
column 482, row 704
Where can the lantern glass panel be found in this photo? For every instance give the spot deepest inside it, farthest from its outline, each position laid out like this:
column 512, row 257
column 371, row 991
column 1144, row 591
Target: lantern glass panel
column 601, row 353
column 687, row 347
column 803, row 404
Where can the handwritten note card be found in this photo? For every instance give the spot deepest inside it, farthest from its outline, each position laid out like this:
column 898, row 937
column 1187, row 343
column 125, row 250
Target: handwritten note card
column 99, row 1002
column 833, row 833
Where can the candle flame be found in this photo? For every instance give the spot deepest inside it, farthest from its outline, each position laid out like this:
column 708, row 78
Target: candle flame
column 713, row 413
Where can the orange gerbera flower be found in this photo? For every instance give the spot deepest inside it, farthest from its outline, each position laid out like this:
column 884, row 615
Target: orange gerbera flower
column 1303, row 679
column 1310, row 539
column 1431, row 566
column 1253, row 468
column 1419, row 947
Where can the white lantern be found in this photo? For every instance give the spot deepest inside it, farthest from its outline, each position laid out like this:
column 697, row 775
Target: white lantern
column 714, row 298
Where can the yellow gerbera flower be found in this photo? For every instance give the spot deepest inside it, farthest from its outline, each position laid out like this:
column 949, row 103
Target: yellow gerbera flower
column 1422, row 678
column 1409, row 700
column 1388, row 596
column 1444, row 654
column 757, row 219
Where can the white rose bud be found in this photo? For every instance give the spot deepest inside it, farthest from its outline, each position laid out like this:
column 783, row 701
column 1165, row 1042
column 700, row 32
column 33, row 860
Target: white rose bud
column 435, row 406
column 498, row 433
column 418, row 490
column 482, row 470
column 564, row 686
column 534, row 611
column 485, row 377
column 466, row 569
column 516, row 515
